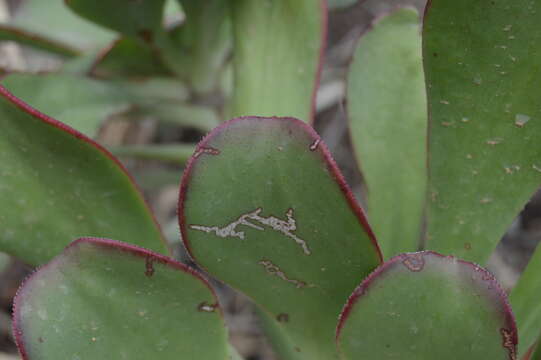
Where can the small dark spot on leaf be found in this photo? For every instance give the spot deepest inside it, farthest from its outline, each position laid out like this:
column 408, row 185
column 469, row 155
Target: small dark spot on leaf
column 297, row 349
column 414, row 262
column 435, row 54
column 149, row 266
column 282, row 317
column 40, row 339
column 206, row 307
column 467, row 246
column 146, row 35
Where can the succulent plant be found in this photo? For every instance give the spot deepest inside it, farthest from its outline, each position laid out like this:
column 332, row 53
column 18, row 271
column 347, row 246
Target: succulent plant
column 263, row 206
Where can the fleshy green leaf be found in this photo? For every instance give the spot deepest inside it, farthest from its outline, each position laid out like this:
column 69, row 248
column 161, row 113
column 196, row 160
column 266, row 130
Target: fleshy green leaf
column 387, row 109
column 154, row 91
column 129, row 58
column 102, row 299
column 49, row 25
column 482, row 64
column 138, row 19
column 57, row 185
column 525, row 301
column 427, row 306
column 264, row 208
column 79, row 102
column 277, row 56
column 204, row 40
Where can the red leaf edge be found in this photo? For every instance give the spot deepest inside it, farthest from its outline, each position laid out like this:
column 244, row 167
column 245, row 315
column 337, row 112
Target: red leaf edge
column 108, row 244
column 509, row 318
column 61, row 126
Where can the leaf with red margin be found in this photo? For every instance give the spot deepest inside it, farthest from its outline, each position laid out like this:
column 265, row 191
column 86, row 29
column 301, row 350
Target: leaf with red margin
column 428, row 306
column 278, row 50
column 80, row 102
column 264, row 208
column 103, row 299
column 57, row 185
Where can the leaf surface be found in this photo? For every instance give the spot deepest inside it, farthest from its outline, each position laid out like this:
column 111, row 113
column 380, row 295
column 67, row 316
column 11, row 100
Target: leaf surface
column 482, row 63
column 140, row 19
column 427, row 306
column 102, row 299
column 387, row 111
column 205, row 42
column 126, row 57
column 277, row 67
column 51, row 26
column 264, row 208
column 57, row 185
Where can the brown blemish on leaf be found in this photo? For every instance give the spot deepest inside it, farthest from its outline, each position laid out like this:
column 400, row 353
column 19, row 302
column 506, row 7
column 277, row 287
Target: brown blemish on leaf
column 314, row 145
column 467, row 246
column 286, row 227
column 282, row 317
column 272, row 269
column 206, row 307
column 509, row 343
column 40, row 339
column 414, row 262
column 297, row 349
column 206, row 150
column 149, row 266
column 146, row 35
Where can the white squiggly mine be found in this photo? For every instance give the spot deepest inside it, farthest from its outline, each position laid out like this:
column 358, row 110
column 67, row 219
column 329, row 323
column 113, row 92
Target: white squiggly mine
column 286, row 227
